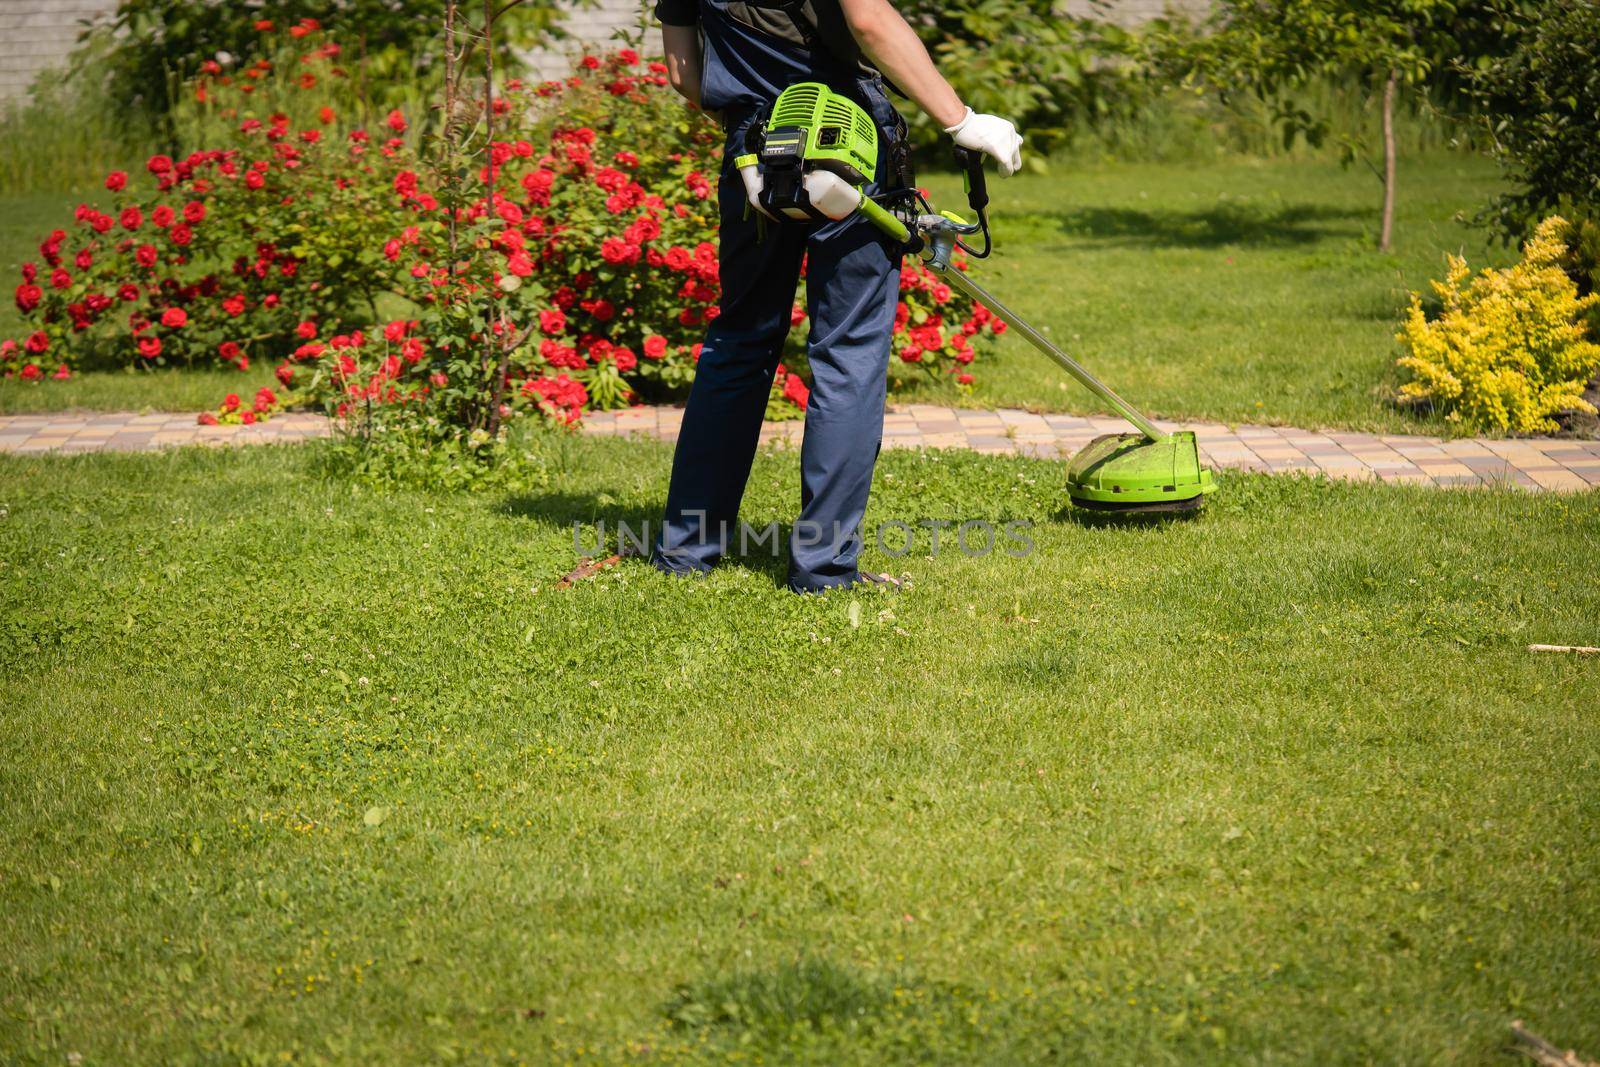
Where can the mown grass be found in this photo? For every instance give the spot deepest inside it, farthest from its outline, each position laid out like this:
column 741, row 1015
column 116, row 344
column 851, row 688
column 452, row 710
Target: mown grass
column 293, row 770
column 1236, row 290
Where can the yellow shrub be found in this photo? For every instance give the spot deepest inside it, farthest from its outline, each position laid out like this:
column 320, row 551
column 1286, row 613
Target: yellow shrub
column 1509, row 350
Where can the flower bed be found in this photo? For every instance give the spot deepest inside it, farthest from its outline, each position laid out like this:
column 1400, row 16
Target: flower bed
column 572, row 265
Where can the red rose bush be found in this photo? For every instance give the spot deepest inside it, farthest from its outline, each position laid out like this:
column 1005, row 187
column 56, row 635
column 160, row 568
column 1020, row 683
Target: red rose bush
column 570, row 265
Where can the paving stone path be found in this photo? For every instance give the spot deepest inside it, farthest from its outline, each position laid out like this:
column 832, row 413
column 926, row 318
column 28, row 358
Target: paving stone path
column 121, row 431
column 1532, row 463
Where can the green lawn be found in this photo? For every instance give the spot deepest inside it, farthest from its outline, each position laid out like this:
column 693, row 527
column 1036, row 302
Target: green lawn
column 1242, row 291
column 295, row 771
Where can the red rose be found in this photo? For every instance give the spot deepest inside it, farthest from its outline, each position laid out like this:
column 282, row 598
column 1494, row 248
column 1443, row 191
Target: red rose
column 552, row 323
column 63, row 372
column 230, row 402
column 396, row 121
column 603, row 310
column 254, row 180
column 625, row 359
column 32, row 373
column 28, row 297
column 306, row 330
column 391, row 249
column 37, row 342
column 234, row 305
column 248, row 418
column 285, row 374
column 678, row 258
column 117, row 181
column 395, row 331
column 60, row 279
column 206, row 419
column 194, row 212
column 229, row 350
column 263, row 25
column 146, row 255
column 162, row 216
column 149, row 347
column 128, row 293
column 520, row 264
column 174, row 318
column 795, row 391
column 325, row 115
column 655, row 346
column 159, row 164
column 181, row 235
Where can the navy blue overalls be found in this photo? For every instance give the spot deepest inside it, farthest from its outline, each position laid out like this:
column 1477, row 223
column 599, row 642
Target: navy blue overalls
column 852, row 284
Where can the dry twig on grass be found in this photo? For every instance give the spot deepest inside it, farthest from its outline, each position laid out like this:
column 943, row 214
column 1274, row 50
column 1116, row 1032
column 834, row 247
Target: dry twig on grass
column 1543, row 1052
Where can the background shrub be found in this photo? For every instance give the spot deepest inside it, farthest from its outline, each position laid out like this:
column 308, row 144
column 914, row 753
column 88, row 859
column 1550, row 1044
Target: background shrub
column 1509, row 349
column 1540, row 106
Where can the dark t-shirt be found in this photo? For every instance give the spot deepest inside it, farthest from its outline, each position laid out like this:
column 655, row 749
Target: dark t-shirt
column 745, row 68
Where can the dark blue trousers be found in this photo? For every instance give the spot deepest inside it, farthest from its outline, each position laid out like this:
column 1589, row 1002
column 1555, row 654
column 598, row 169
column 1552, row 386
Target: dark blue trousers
column 852, row 284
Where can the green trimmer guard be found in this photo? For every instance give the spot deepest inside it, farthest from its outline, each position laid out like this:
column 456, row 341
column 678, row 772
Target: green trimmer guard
column 1131, row 472
column 1152, row 470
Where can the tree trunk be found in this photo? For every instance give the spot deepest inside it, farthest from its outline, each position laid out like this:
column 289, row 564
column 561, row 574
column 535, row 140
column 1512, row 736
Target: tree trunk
column 1386, row 231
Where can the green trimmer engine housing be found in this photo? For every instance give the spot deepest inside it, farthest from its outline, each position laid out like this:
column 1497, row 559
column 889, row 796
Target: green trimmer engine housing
column 811, row 130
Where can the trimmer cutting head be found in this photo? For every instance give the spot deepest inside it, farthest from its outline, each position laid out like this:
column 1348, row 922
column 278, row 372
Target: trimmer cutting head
column 1132, row 472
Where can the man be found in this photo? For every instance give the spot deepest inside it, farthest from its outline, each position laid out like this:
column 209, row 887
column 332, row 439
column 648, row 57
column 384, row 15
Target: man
column 732, row 59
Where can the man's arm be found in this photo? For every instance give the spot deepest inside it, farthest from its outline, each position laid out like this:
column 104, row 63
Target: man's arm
column 894, row 48
column 681, row 46
column 897, row 51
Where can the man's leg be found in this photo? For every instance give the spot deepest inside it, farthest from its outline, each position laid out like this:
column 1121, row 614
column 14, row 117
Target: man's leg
column 852, row 283
column 722, row 423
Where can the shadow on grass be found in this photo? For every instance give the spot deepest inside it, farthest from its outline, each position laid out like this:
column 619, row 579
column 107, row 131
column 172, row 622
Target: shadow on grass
column 1226, row 223
column 582, row 513
column 1071, row 515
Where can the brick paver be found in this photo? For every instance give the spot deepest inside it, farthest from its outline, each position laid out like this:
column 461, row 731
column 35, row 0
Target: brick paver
column 1558, row 464
column 1531, row 463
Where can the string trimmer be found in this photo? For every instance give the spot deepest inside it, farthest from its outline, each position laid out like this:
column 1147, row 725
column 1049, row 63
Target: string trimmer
column 815, row 151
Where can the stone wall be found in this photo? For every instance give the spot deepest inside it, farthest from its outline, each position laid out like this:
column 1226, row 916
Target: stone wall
column 38, row 34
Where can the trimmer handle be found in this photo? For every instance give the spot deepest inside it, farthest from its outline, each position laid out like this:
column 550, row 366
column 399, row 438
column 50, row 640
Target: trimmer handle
column 971, row 166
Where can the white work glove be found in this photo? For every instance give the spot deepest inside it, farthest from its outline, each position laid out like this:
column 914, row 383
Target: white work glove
column 991, row 135
column 750, row 173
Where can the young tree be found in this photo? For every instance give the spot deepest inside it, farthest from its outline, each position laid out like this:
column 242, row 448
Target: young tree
column 1274, row 47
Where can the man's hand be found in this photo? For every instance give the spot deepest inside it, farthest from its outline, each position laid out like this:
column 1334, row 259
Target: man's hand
column 991, row 135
